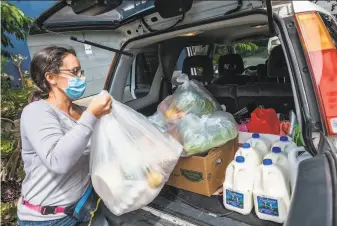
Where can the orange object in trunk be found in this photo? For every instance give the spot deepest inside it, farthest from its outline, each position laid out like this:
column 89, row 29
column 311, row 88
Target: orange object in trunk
column 264, row 121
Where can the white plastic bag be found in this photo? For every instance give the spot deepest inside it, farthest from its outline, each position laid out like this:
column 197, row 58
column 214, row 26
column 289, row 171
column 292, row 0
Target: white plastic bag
column 130, row 159
column 200, row 134
column 159, row 121
column 191, row 97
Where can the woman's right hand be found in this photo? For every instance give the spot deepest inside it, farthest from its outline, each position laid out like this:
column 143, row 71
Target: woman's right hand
column 100, row 105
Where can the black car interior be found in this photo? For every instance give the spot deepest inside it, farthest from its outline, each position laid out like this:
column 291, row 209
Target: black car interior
column 270, row 88
column 203, row 65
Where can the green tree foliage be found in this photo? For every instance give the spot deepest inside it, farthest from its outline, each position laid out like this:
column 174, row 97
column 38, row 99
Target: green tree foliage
column 8, row 213
column 220, row 50
column 14, row 99
column 245, row 49
column 13, row 22
column 242, row 48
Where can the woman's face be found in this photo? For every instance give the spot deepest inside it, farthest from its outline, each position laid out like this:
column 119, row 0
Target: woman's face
column 71, row 67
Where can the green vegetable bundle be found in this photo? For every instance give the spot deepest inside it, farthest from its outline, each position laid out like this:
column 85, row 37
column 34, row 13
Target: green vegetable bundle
column 190, row 98
column 200, row 134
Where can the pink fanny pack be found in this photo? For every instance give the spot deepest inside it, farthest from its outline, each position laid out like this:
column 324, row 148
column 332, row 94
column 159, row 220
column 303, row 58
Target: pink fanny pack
column 44, row 210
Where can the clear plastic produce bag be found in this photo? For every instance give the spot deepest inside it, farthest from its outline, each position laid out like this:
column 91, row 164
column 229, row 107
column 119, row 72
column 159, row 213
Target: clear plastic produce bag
column 190, row 97
column 200, row 134
column 130, row 159
column 159, row 121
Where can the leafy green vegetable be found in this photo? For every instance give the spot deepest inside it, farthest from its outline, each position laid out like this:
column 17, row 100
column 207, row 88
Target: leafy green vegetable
column 202, row 134
column 6, row 147
column 217, row 140
column 194, row 103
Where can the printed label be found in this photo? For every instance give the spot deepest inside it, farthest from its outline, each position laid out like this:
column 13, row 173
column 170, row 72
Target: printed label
column 234, row 199
column 87, row 49
column 267, row 206
column 190, row 175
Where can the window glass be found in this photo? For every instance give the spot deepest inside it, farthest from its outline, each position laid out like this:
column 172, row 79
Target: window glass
column 219, row 51
column 255, row 52
column 199, row 50
column 141, row 76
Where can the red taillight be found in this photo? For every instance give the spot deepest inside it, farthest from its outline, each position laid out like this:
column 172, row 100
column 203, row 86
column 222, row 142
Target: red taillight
column 321, row 55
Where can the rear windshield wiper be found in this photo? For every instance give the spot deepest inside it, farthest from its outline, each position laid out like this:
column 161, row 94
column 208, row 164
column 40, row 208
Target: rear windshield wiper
column 73, row 38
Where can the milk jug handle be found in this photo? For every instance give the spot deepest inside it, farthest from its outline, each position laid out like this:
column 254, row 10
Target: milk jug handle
column 293, row 153
column 231, row 177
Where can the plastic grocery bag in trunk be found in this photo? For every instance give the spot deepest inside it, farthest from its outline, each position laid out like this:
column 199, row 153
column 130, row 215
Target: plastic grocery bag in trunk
column 200, row 134
column 130, row 160
column 159, row 121
column 190, row 97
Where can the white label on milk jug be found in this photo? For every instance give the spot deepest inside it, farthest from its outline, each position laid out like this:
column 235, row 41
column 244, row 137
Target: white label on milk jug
column 267, row 206
column 234, row 198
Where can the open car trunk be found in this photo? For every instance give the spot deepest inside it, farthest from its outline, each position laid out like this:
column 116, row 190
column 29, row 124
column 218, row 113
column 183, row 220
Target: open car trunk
column 178, row 207
column 202, row 210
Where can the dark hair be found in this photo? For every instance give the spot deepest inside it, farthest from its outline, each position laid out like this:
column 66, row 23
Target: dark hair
column 48, row 59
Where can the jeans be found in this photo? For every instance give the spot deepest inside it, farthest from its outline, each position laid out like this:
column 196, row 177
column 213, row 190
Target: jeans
column 65, row 221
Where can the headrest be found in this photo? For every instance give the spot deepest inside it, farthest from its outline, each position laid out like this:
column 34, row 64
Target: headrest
column 277, row 64
column 202, row 65
column 231, row 64
column 261, row 71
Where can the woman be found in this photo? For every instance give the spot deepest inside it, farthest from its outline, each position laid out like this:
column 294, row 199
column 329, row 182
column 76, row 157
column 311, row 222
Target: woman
column 55, row 136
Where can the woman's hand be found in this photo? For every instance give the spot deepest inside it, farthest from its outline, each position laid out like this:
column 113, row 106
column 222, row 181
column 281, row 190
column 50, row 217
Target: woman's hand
column 100, row 105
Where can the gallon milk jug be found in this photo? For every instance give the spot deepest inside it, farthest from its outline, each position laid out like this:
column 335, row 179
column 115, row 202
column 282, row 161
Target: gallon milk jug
column 238, row 186
column 294, row 159
column 280, row 158
column 259, row 144
column 285, row 144
column 271, row 193
column 252, row 156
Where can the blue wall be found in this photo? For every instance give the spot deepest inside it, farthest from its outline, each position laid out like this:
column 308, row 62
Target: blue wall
column 32, row 9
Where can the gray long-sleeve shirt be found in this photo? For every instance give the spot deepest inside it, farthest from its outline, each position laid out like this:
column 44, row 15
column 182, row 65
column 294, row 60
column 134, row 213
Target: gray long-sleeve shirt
column 56, row 158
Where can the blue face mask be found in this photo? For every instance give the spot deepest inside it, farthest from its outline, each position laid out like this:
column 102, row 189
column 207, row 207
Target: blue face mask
column 76, row 87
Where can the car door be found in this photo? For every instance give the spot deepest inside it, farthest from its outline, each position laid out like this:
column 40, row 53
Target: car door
column 141, row 80
column 314, row 200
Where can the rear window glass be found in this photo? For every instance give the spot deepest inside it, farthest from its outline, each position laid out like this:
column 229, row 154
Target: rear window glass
column 254, row 52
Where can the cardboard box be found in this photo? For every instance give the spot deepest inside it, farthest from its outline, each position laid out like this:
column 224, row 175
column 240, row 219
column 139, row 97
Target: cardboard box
column 203, row 175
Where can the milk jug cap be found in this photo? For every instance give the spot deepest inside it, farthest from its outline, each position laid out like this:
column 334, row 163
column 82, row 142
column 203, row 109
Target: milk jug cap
column 276, row 150
column 256, row 135
column 240, row 159
column 246, row 145
column 283, row 138
column 267, row 162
